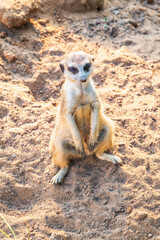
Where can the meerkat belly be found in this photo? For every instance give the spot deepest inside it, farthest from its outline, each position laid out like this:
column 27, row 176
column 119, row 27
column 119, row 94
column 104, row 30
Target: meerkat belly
column 82, row 119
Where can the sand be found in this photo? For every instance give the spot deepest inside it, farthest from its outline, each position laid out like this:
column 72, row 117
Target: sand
column 97, row 200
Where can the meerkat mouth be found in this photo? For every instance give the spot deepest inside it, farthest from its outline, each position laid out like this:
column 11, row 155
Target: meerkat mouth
column 83, row 80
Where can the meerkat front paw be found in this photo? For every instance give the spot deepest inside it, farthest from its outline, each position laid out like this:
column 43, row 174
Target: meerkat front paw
column 80, row 148
column 92, row 145
column 81, row 151
column 93, row 142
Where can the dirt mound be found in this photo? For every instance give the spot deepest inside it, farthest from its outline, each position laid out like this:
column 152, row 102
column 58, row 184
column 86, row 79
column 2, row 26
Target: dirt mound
column 97, row 199
column 81, row 6
column 15, row 13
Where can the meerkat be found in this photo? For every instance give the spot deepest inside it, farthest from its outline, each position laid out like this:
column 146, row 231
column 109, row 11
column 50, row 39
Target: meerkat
column 81, row 127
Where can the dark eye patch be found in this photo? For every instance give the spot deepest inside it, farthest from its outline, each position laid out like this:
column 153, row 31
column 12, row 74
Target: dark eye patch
column 87, row 67
column 73, row 70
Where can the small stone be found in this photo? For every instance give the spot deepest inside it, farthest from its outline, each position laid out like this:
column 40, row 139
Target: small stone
column 43, row 21
column 23, row 38
column 133, row 23
column 3, row 34
column 121, row 144
column 147, row 166
column 114, row 32
column 155, row 7
column 116, row 12
column 150, row 235
column 98, row 22
column 143, row 31
column 128, row 42
column 9, row 56
column 13, row 155
column 54, row 103
column 128, row 209
column 141, row 215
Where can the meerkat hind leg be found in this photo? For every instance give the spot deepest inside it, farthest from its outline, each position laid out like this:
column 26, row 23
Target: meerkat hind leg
column 110, row 158
column 58, row 178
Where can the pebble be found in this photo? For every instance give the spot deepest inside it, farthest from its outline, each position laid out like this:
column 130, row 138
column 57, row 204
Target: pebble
column 147, row 166
column 9, row 56
column 133, row 23
column 13, row 155
column 128, row 43
column 121, row 144
column 90, row 24
column 90, row 35
column 150, row 235
column 98, row 22
column 3, row 34
column 143, row 31
column 116, row 12
column 141, row 215
column 155, row 7
column 128, row 209
column 43, row 21
column 23, row 38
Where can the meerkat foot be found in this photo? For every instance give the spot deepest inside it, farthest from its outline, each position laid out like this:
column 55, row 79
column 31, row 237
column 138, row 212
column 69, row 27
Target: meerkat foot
column 59, row 177
column 110, row 158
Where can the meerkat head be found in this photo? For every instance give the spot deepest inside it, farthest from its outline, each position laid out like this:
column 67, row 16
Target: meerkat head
column 77, row 66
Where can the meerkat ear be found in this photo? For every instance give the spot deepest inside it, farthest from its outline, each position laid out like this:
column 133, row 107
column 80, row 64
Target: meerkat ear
column 62, row 66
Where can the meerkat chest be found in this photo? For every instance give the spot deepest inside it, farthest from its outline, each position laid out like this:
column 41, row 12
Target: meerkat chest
column 83, row 108
column 78, row 96
column 87, row 96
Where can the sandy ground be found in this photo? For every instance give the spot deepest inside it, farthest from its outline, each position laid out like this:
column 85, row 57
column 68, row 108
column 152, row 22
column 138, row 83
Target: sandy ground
column 97, row 199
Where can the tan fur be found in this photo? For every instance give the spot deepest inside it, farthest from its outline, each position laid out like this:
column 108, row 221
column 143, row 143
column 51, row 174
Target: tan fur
column 80, row 119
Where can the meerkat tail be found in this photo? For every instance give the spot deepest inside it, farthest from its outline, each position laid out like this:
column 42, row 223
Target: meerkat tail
column 58, row 178
column 110, row 158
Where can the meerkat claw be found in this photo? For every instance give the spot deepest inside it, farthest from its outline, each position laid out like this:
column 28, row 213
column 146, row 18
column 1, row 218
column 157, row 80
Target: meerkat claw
column 118, row 161
column 92, row 147
column 81, row 151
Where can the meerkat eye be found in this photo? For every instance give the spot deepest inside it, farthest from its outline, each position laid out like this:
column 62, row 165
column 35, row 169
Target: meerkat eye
column 73, row 70
column 87, row 67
